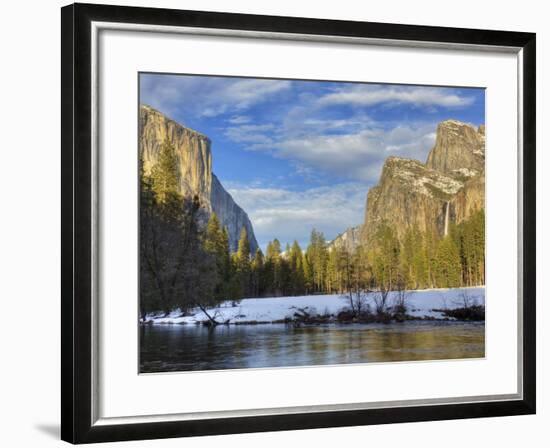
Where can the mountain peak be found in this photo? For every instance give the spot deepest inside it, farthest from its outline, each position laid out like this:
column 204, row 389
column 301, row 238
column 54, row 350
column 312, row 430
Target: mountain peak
column 149, row 111
column 457, row 146
column 452, row 123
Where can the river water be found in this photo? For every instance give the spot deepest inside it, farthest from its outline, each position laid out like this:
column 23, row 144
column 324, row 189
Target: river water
column 168, row 348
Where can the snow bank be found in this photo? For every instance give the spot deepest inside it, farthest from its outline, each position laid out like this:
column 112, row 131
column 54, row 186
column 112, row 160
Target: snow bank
column 420, row 303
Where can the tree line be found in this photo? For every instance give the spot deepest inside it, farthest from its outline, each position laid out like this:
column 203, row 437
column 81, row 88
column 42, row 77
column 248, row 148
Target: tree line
column 186, row 262
column 416, row 261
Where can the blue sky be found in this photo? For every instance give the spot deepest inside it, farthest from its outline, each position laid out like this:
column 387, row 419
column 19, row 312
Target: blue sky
column 298, row 155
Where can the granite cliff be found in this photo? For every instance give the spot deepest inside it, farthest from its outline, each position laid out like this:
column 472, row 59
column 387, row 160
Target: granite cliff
column 231, row 215
column 459, row 148
column 349, row 239
column 193, row 151
column 449, row 187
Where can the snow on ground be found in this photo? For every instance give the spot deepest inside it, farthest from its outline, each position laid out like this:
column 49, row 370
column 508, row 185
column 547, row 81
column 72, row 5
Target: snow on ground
column 420, row 303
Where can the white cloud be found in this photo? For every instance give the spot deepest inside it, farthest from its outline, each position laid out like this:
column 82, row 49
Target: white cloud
column 239, row 119
column 358, row 153
column 251, row 133
column 207, row 96
column 243, row 93
column 288, row 215
column 369, row 95
column 352, row 147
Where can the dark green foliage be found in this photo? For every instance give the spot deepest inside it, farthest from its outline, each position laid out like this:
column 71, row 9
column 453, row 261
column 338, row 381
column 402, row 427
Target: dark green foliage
column 177, row 270
column 447, row 268
column 257, row 271
column 295, row 261
column 385, row 256
column 414, row 260
column 242, row 266
column 199, row 273
column 272, row 269
column 216, row 243
column 164, row 175
column 472, row 245
column 317, row 256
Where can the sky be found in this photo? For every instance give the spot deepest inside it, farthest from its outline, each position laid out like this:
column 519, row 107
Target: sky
column 298, row 155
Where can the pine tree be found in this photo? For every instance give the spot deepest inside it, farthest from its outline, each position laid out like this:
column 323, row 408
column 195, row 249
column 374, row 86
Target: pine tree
column 448, row 267
column 407, row 255
column 242, row 262
column 273, row 249
column 472, row 249
column 213, row 235
column 257, row 273
column 317, row 255
column 478, row 220
column 308, row 274
column 285, row 276
column 413, row 259
column 267, row 278
column 226, row 253
column 169, row 232
column 243, row 251
column 150, row 294
column 216, row 243
column 336, row 273
column 420, row 260
column 199, row 268
column 273, row 267
column 431, row 244
column 164, row 174
column 295, row 258
column 386, row 256
column 234, row 284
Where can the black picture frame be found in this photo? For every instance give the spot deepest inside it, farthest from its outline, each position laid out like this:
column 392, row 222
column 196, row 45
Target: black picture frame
column 76, row 218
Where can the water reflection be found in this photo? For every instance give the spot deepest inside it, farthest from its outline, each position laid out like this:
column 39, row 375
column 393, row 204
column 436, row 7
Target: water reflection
column 188, row 347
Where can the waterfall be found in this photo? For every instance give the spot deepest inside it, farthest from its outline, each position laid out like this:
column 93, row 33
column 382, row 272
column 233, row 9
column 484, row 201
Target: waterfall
column 447, row 219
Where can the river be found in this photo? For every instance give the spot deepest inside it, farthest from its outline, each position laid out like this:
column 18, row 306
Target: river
column 169, row 348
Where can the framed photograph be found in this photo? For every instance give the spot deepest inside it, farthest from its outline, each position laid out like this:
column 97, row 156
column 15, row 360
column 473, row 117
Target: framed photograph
column 276, row 223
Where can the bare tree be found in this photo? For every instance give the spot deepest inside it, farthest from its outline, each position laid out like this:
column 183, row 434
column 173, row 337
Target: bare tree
column 357, row 299
column 400, row 301
column 466, row 300
column 381, row 300
column 354, row 283
column 467, row 307
column 443, row 301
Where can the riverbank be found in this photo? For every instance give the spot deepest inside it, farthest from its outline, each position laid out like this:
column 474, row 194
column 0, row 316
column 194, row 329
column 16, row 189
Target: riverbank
column 430, row 304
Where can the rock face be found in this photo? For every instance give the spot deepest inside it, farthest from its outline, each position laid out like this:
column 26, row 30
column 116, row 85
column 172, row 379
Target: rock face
column 231, row 215
column 193, row 151
column 349, row 239
column 470, row 199
column 459, row 147
column 448, row 188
